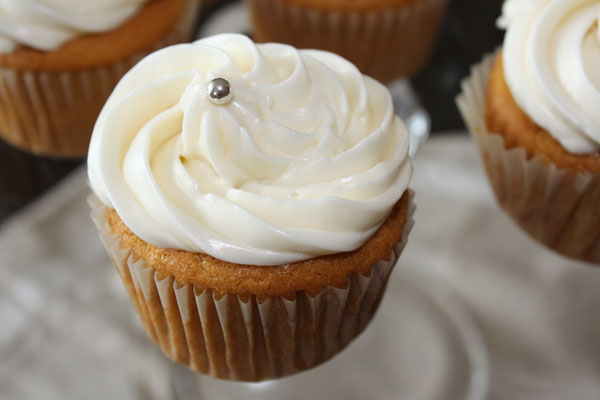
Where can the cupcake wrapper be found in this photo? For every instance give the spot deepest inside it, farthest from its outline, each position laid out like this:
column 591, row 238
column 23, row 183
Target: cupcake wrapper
column 557, row 207
column 53, row 113
column 247, row 340
column 385, row 43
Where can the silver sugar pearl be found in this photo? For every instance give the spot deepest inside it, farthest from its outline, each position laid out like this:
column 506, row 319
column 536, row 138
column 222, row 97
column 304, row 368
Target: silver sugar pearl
column 219, row 91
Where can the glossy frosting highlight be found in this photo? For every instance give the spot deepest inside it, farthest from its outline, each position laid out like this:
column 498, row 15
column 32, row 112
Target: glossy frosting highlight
column 308, row 158
column 551, row 57
column 47, row 24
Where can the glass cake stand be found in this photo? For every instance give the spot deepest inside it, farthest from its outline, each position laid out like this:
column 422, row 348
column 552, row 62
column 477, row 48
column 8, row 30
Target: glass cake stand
column 409, row 109
column 420, row 345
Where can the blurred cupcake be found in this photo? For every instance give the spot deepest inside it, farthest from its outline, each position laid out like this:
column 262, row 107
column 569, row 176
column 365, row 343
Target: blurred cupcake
column 59, row 61
column 386, row 39
column 533, row 109
column 254, row 201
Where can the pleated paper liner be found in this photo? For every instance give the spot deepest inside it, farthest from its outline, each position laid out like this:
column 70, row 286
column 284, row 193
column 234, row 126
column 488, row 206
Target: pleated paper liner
column 53, row 113
column 247, row 339
column 386, row 43
column 558, row 207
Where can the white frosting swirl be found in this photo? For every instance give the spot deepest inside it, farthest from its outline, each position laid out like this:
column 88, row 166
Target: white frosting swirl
column 46, row 24
column 307, row 159
column 551, row 57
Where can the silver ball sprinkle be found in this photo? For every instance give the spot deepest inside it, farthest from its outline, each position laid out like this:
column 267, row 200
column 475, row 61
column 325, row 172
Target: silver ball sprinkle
column 219, row 91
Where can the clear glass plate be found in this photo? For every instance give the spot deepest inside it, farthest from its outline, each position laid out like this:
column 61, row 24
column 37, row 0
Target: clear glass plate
column 420, row 345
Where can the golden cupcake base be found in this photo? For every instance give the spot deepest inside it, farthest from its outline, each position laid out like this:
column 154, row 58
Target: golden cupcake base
column 49, row 101
column 245, row 337
column 550, row 197
column 384, row 39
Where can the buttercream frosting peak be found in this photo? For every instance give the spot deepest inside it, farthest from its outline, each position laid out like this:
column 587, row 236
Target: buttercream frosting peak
column 307, row 158
column 47, row 24
column 551, row 60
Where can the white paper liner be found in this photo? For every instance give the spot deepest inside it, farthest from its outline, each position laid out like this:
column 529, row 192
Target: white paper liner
column 386, row 43
column 558, row 207
column 247, row 340
column 53, row 113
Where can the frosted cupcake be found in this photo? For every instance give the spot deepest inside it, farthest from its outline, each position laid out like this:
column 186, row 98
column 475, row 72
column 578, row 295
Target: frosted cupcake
column 533, row 109
column 386, row 39
column 59, row 61
column 254, row 201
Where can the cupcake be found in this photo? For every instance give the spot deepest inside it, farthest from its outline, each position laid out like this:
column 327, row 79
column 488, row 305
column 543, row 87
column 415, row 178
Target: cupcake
column 386, row 39
column 533, row 110
column 253, row 199
column 60, row 60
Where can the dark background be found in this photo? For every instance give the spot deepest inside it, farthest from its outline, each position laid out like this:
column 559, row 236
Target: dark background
column 467, row 32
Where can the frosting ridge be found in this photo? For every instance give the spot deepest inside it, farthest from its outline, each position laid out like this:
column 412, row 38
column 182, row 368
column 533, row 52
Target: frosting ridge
column 47, row 24
column 307, row 159
column 551, row 57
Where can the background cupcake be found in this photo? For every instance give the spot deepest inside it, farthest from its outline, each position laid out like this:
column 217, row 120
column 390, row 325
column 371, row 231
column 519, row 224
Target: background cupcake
column 386, row 39
column 254, row 220
column 59, row 62
column 533, row 111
